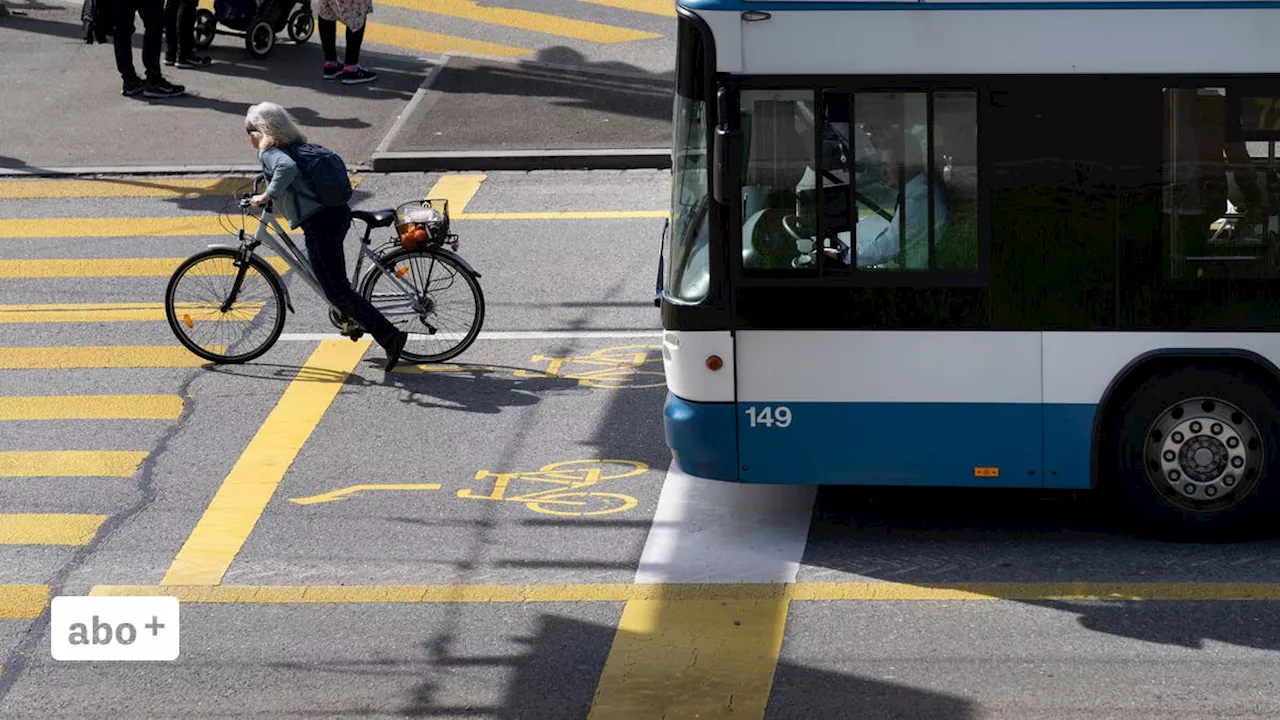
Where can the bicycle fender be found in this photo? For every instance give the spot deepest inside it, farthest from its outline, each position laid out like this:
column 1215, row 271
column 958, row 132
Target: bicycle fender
column 458, row 258
column 288, row 301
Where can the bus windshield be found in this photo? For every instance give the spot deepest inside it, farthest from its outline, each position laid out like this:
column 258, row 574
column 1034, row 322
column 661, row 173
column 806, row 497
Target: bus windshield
column 688, row 278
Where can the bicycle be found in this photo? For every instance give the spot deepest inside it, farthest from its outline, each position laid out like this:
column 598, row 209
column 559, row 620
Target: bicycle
column 235, row 311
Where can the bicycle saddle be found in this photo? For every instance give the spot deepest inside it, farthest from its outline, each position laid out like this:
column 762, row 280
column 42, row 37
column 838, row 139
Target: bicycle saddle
column 377, row 218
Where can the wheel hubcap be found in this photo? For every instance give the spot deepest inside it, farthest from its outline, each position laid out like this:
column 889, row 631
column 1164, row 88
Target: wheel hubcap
column 1203, row 451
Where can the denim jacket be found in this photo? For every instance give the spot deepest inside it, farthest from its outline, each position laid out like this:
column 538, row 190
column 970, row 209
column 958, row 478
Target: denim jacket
column 290, row 192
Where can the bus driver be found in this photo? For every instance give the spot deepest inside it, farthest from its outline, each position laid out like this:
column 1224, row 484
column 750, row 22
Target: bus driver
column 879, row 241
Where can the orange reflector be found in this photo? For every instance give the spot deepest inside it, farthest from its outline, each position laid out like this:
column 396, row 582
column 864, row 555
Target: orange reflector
column 714, row 363
column 187, row 319
column 401, row 272
column 986, row 472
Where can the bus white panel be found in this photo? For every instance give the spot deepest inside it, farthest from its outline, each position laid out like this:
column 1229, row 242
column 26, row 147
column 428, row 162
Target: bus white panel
column 888, row 366
column 1078, row 367
column 998, row 41
column 684, row 359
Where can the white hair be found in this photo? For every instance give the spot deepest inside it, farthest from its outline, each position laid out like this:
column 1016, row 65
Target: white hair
column 273, row 125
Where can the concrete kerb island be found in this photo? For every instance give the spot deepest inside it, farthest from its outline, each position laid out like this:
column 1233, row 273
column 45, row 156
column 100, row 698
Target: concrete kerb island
column 478, row 113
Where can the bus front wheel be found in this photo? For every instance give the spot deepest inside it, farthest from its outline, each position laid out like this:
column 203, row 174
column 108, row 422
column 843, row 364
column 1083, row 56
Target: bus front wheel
column 1197, row 453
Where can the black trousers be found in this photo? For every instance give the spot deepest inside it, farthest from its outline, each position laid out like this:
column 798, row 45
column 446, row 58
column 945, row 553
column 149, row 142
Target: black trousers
column 179, row 27
column 152, row 14
column 325, row 232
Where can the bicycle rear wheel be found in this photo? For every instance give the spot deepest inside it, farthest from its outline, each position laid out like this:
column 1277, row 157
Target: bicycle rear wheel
column 450, row 304
column 242, row 331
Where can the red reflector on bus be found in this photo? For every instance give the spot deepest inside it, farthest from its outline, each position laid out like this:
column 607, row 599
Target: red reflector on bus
column 714, row 363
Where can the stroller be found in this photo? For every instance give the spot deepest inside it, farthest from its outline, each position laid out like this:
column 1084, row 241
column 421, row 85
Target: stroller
column 257, row 21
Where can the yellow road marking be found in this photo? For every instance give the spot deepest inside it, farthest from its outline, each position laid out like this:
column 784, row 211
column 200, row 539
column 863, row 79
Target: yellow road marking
column 23, row 602
column 855, row 591
column 244, row 494
column 104, row 267
column 666, row 8
column 458, row 190
column 91, row 407
column 49, row 529
column 121, row 312
column 344, row 493
column 691, row 658
column 87, row 228
column 435, row 43
column 70, row 463
column 127, row 187
column 201, row 225
column 524, row 20
column 100, row 356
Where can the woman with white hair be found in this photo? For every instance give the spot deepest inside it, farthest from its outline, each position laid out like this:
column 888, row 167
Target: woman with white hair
column 270, row 129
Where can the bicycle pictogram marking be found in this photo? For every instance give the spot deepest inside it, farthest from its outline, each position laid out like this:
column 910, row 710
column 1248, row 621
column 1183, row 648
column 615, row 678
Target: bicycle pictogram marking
column 615, row 368
column 560, row 488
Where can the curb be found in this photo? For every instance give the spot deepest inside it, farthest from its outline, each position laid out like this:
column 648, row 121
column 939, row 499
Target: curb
column 131, row 170
column 463, row 160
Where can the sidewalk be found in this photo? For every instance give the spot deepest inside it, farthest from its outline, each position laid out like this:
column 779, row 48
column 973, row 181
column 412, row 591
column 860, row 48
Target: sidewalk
column 483, row 114
column 72, row 116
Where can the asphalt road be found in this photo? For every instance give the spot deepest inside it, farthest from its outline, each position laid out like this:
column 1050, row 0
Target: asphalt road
column 393, row 564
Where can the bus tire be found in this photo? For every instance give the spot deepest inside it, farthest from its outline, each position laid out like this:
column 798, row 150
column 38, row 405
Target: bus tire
column 1197, row 451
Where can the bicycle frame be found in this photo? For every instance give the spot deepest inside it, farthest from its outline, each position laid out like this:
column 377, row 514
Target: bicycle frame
column 280, row 242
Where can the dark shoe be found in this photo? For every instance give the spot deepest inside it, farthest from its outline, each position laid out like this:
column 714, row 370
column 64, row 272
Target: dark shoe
column 332, row 70
column 162, row 89
column 133, row 86
column 358, row 75
column 193, row 61
column 393, row 352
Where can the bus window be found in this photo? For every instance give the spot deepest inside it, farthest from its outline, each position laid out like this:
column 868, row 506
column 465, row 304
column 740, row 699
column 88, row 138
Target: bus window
column 898, row 183
column 687, row 265
column 1220, row 214
column 777, row 218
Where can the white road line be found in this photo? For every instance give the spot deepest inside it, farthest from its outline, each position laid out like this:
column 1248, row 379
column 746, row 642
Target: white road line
column 705, row 531
column 500, row 335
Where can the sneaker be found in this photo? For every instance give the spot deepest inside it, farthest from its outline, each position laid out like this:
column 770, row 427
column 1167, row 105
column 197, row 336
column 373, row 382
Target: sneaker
column 133, row 86
column 170, row 61
column 332, row 70
column 162, row 89
column 193, row 61
column 354, row 74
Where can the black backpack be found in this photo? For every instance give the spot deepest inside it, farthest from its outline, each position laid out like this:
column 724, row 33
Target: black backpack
column 325, row 170
column 98, row 19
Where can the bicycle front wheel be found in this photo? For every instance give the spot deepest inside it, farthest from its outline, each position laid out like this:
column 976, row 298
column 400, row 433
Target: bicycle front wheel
column 442, row 312
column 197, row 306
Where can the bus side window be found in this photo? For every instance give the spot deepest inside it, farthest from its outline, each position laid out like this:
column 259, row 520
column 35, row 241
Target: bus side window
column 777, row 222
column 955, row 141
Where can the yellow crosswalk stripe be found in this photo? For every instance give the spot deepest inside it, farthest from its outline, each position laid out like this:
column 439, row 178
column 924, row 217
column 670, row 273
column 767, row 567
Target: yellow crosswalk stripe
column 122, row 312
column 91, row 407
column 48, row 529
column 435, row 43
column 524, row 20
column 457, row 189
column 22, row 602
column 103, row 267
column 115, row 227
column 103, row 356
column 666, row 8
column 20, row 189
column 70, row 463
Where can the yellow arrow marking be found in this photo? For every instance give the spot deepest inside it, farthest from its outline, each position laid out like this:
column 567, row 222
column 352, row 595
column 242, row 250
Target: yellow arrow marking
column 344, row 493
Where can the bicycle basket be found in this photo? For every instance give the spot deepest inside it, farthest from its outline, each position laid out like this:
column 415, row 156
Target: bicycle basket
column 423, row 222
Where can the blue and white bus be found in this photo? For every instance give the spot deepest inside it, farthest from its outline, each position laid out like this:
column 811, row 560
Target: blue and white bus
column 986, row 243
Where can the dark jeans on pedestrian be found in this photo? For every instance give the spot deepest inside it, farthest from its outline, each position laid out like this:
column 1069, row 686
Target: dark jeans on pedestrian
column 329, row 42
column 325, row 232
column 152, row 14
column 179, row 27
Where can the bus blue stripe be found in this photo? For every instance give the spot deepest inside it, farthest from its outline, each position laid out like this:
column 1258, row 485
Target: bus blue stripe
column 741, row 6
column 925, row 444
